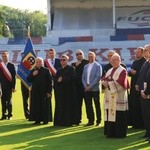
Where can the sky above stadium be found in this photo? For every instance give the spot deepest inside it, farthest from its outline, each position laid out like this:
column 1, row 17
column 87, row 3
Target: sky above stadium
column 26, row 4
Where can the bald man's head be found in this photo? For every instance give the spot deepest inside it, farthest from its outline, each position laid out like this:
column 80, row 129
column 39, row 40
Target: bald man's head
column 139, row 52
column 115, row 60
column 147, row 51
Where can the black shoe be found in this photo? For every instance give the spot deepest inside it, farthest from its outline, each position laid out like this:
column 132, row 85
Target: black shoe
column 77, row 124
column 45, row 123
column 97, row 124
column 9, row 118
column 89, row 124
column 27, row 117
column 3, row 118
column 36, row 123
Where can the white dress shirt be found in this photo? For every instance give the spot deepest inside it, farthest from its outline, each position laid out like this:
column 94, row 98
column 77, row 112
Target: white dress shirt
column 89, row 72
column 52, row 61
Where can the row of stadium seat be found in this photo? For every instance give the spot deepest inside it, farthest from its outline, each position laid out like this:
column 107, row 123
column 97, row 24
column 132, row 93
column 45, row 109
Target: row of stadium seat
column 121, row 35
column 137, row 37
column 130, row 34
column 133, row 31
column 63, row 40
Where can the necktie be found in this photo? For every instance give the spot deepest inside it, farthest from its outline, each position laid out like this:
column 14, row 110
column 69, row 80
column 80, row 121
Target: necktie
column 52, row 62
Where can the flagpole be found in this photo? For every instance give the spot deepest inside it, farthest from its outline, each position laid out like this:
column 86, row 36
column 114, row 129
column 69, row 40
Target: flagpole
column 29, row 87
column 28, row 31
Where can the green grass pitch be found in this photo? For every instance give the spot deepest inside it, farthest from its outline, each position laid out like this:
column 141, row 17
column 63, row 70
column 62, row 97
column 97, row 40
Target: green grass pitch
column 19, row 134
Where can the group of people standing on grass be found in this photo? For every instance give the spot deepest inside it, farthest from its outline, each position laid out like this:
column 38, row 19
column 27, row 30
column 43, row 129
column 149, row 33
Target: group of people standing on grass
column 81, row 81
column 139, row 98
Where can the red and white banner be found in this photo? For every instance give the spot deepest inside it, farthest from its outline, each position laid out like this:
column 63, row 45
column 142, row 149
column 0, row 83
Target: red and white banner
column 50, row 66
column 6, row 72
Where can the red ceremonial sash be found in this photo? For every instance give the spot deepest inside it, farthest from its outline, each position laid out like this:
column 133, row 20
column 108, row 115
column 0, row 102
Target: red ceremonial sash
column 51, row 67
column 6, row 72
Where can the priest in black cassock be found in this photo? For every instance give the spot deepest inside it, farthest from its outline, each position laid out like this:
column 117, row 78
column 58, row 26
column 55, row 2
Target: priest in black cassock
column 66, row 95
column 40, row 110
column 135, row 118
column 142, row 85
column 146, row 104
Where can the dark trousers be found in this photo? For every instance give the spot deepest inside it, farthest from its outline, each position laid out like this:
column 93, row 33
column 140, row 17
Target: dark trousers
column 89, row 96
column 146, row 115
column 6, row 101
column 25, row 97
column 80, row 97
column 56, row 111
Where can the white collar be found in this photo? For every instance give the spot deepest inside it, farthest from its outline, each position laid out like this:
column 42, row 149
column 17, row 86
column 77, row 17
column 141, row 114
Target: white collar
column 92, row 63
column 6, row 63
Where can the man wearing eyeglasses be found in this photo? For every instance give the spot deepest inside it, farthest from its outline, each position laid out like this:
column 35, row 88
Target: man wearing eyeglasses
column 66, row 109
column 90, row 79
column 79, row 66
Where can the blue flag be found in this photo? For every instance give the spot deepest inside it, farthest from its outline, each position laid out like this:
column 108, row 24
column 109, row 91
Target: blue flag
column 27, row 63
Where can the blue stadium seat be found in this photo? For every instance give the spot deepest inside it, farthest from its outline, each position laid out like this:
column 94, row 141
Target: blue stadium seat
column 63, row 40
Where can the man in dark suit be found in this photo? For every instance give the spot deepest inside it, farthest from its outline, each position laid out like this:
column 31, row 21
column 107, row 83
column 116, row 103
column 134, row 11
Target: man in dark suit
column 90, row 79
column 53, row 64
column 79, row 66
column 143, row 87
column 8, row 81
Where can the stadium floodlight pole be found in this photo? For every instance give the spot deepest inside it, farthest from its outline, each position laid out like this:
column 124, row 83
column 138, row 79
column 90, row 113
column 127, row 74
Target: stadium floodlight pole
column 114, row 13
column 48, row 17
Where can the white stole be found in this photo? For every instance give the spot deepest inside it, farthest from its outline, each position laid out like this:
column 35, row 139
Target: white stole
column 114, row 87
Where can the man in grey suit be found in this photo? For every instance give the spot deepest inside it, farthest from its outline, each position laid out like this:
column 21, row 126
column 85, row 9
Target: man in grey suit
column 90, row 78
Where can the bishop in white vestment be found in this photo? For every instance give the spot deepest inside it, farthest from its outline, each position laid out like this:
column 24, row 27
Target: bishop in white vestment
column 115, row 86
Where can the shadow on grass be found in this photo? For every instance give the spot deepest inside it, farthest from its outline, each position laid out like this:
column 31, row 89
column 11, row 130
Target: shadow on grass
column 8, row 126
column 22, row 135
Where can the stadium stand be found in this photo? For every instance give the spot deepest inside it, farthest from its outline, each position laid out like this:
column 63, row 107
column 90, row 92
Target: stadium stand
column 88, row 25
column 80, row 19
